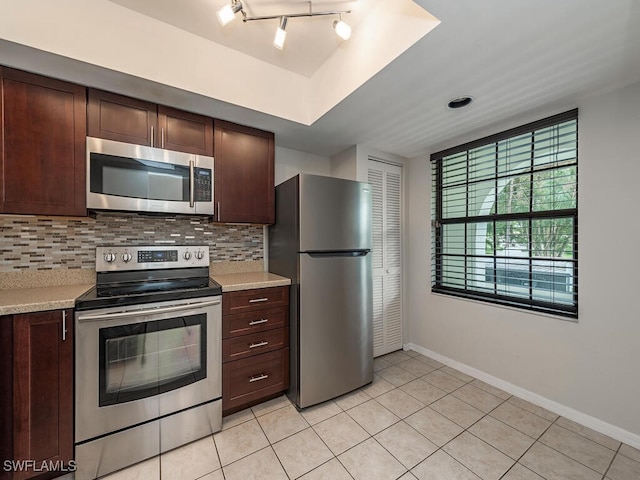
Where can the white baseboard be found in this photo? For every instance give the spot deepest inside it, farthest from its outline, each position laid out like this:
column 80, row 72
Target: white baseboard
column 596, row 424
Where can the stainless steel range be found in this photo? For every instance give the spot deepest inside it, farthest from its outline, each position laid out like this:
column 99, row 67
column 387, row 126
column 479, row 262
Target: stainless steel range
column 148, row 356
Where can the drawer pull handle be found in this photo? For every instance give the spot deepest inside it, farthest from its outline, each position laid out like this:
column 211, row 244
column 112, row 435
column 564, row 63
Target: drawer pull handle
column 259, row 344
column 256, row 300
column 258, row 322
column 258, row 378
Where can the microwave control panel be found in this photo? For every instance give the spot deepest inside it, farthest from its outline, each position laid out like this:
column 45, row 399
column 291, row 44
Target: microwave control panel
column 202, row 184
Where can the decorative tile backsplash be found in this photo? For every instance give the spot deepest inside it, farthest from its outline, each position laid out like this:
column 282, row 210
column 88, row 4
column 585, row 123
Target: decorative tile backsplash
column 46, row 243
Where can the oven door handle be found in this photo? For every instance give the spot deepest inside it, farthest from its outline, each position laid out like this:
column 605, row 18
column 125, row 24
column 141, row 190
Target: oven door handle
column 144, row 312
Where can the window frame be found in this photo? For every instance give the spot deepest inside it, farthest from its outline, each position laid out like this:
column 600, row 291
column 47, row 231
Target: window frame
column 567, row 310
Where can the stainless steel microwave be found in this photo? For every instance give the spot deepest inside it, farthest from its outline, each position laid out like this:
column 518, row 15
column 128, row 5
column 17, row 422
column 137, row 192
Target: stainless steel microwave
column 126, row 177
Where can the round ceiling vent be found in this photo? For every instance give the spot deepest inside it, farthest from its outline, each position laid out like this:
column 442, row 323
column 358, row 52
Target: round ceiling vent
column 459, row 102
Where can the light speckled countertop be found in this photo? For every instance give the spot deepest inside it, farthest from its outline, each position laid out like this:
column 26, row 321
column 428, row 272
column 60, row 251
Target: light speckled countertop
column 38, row 299
column 25, row 300
column 231, row 282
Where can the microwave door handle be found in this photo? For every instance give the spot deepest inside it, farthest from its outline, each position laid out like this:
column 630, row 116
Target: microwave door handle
column 191, row 184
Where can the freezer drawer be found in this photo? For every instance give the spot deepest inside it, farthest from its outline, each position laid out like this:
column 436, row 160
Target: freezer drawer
column 334, row 328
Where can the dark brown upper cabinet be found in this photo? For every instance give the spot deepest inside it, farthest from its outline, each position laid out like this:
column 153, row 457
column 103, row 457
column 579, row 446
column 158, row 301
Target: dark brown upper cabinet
column 184, row 131
column 42, row 137
column 124, row 119
column 244, row 174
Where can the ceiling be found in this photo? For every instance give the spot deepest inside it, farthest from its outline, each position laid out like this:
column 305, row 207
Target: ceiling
column 310, row 41
column 513, row 57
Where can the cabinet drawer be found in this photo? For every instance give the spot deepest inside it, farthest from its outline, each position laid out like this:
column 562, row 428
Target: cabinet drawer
column 252, row 322
column 255, row 377
column 255, row 299
column 254, row 344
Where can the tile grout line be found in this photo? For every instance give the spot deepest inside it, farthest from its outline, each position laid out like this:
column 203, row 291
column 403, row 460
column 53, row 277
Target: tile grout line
column 215, row 445
column 535, row 440
column 288, row 436
column 386, row 428
column 575, row 460
column 612, row 460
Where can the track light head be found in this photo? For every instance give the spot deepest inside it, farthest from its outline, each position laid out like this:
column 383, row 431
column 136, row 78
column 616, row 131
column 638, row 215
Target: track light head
column 281, row 34
column 228, row 13
column 343, row 30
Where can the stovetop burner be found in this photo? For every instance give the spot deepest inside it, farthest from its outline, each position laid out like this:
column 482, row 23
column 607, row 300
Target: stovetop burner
column 146, row 274
column 96, row 298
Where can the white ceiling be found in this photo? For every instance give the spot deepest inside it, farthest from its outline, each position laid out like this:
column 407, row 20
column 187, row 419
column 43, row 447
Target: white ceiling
column 513, row 57
column 310, row 41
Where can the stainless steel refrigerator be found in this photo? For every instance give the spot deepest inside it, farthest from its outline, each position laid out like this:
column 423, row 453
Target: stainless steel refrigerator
column 322, row 241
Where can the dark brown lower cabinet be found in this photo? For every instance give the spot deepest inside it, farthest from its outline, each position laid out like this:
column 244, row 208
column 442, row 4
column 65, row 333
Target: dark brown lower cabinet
column 253, row 380
column 255, row 346
column 38, row 367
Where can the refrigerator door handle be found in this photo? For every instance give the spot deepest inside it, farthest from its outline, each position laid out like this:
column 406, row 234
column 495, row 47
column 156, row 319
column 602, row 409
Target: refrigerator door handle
column 350, row 253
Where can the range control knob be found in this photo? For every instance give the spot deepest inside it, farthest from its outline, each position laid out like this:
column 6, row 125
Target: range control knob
column 126, row 257
column 199, row 254
column 186, row 255
column 110, row 257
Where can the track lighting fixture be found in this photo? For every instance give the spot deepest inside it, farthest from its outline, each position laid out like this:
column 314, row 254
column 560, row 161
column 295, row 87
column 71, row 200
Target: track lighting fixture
column 228, row 13
column 281, row 34
column 343, row 30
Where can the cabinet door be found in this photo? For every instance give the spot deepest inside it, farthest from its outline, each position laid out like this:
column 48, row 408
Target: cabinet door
column 244, row 174
column 122, row 119
column 184, row 131
column 6, row 392
column 43, row 387
column 43, row 128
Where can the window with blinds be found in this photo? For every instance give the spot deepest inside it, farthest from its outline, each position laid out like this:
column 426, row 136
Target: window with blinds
column 505, row 217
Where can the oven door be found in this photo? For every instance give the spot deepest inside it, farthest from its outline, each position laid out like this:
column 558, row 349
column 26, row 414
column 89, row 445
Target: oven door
column 136, row 364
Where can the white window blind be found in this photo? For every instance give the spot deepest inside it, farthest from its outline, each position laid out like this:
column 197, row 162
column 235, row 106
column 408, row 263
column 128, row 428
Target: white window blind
column 505, row 217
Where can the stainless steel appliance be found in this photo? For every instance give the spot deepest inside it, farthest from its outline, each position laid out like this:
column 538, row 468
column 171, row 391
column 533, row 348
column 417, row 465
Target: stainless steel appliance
column 122, row 176
column 322, row 241
column 148, row 356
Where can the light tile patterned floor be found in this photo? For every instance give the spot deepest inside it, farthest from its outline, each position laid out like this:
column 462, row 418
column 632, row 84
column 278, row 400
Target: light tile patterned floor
column 418, row 420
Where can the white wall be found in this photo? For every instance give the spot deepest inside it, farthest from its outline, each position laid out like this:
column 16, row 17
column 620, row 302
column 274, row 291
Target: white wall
column 589, row 368
column 292, row 162
column 353, row 163
column 345, row 164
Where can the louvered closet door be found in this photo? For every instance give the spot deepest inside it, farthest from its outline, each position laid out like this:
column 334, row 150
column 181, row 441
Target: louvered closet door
column 386, row 182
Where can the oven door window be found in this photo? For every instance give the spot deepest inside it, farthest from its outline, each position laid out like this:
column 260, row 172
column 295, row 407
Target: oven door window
column 141, row 360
